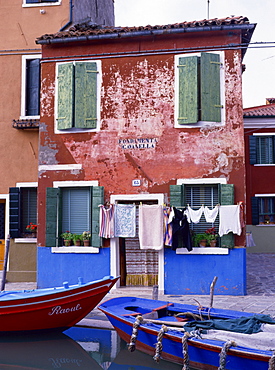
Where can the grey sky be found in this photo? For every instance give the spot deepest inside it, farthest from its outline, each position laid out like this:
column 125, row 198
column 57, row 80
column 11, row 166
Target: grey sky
column 259, row 77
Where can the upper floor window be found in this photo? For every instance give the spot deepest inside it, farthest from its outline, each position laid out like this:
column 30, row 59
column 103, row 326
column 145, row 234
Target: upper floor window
column 199, row 89
column 262, row 149
column 30, row 96
column 78, row 104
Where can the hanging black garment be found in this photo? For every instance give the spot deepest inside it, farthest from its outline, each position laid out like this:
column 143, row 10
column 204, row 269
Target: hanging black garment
column 181, row 236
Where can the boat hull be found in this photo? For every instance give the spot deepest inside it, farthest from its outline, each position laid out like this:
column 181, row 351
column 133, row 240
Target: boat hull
column 50, row 309
column 203, row 353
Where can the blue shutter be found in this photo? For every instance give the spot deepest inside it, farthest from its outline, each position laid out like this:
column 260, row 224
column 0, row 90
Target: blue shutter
column 253, row 149
column 255, row 210
column 33, row 87
column 15, row 212
column 29, row 206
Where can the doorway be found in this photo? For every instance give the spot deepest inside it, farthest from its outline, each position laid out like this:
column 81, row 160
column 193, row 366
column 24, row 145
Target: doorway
column 136, row 267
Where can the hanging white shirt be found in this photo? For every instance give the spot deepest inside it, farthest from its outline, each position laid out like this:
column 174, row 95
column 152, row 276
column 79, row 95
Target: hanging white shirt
column 229, row 220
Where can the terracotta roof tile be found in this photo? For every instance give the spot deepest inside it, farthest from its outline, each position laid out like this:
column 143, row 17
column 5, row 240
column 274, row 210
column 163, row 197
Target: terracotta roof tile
column 267, row 110
column 90, row 30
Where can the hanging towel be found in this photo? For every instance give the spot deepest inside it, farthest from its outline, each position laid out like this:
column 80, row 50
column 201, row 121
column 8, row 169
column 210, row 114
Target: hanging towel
column 229, row 220
column 167, row 226
column 211, row 214
column 192, row 215
column 151, row 227
column 125, row 220
column 106, row 221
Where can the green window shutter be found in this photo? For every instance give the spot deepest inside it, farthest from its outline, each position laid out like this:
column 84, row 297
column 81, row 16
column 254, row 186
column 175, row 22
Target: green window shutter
column 188, row 90
column 210, row 87
column 227, row 198
column 177, row 195
column 86, row 95
column 255, row 210
column 52, row 205
column 97, row 199
column 14, row 212
column 65, row 96
column 253, row 149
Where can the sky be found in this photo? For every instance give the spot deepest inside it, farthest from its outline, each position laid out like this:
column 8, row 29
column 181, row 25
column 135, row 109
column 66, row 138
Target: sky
column 259, row 77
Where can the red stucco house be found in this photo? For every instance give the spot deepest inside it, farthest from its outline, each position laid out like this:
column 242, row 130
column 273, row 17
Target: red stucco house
column 149, row 115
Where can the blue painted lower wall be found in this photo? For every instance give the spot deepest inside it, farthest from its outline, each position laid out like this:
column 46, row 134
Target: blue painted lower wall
column 194, row 273
column 183, row 273
column 55, row 268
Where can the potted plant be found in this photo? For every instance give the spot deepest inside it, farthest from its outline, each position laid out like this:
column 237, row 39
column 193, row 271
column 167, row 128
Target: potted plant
column 211, row 237
column 77, row 239
column 200, row 240
column 32, row 228
column 86, row 237
column 68, row 237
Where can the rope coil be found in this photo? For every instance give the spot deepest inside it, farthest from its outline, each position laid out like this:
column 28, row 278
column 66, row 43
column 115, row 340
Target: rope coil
column 271, row 363
column 185, row 351
column 159, row 343
column 223, row 353
column 136, row 325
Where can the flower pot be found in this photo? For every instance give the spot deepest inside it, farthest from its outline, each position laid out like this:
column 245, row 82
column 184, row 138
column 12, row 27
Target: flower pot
column 213, row 243
column 86, row 243
column 77, row 243
column 67, row 243
column 203, row 243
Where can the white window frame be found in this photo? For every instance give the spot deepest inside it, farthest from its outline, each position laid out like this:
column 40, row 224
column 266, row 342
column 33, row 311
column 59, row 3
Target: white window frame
column 222, row 92
column 25, row 5
column 264, row 134
column 25, row 58
column 99, row 84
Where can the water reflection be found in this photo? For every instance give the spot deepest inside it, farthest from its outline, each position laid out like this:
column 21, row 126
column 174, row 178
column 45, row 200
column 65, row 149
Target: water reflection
column 76, row 348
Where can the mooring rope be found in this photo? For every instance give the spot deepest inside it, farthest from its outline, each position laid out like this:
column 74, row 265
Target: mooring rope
column 132, row 344
column 185, row 351
column 223, row 353
column 271, row 363
column 159, row 343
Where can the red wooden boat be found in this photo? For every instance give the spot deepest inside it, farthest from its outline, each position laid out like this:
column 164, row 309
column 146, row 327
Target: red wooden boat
column 51, row 308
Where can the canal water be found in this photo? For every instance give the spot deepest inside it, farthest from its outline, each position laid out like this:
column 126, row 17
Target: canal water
column 76, row 348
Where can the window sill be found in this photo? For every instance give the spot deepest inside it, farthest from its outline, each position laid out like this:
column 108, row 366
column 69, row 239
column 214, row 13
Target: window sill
column 265, row 225
column 75, row 250
column 264, row 164
column 207, row 250
column 25, row 240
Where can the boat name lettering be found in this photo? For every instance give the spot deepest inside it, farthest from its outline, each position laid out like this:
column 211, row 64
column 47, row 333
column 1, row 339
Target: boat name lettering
column 58, row 362
column 58, row 310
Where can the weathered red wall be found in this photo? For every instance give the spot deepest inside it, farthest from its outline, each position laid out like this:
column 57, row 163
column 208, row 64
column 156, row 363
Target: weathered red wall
column 137, row 101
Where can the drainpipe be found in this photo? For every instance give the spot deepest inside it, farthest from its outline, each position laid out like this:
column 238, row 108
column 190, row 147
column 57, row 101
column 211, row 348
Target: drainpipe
column 70, row 18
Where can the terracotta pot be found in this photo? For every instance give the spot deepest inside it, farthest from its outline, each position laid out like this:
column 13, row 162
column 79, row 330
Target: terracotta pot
column 203, row 243
column 86, row 243
column 77, row 243
column 213, row 243
column 67, row 243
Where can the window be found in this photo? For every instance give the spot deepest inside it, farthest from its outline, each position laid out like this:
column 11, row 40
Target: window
column 78, row 98
column 262, row 149
column 23, row 210
column 73, row 209
column 206, row 195
column 30, row 96
column 199, row 90
column 209, row 195
column 263, row 210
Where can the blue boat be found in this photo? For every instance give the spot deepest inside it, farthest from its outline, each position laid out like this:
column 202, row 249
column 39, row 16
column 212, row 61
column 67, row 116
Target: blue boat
column 202, row 337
